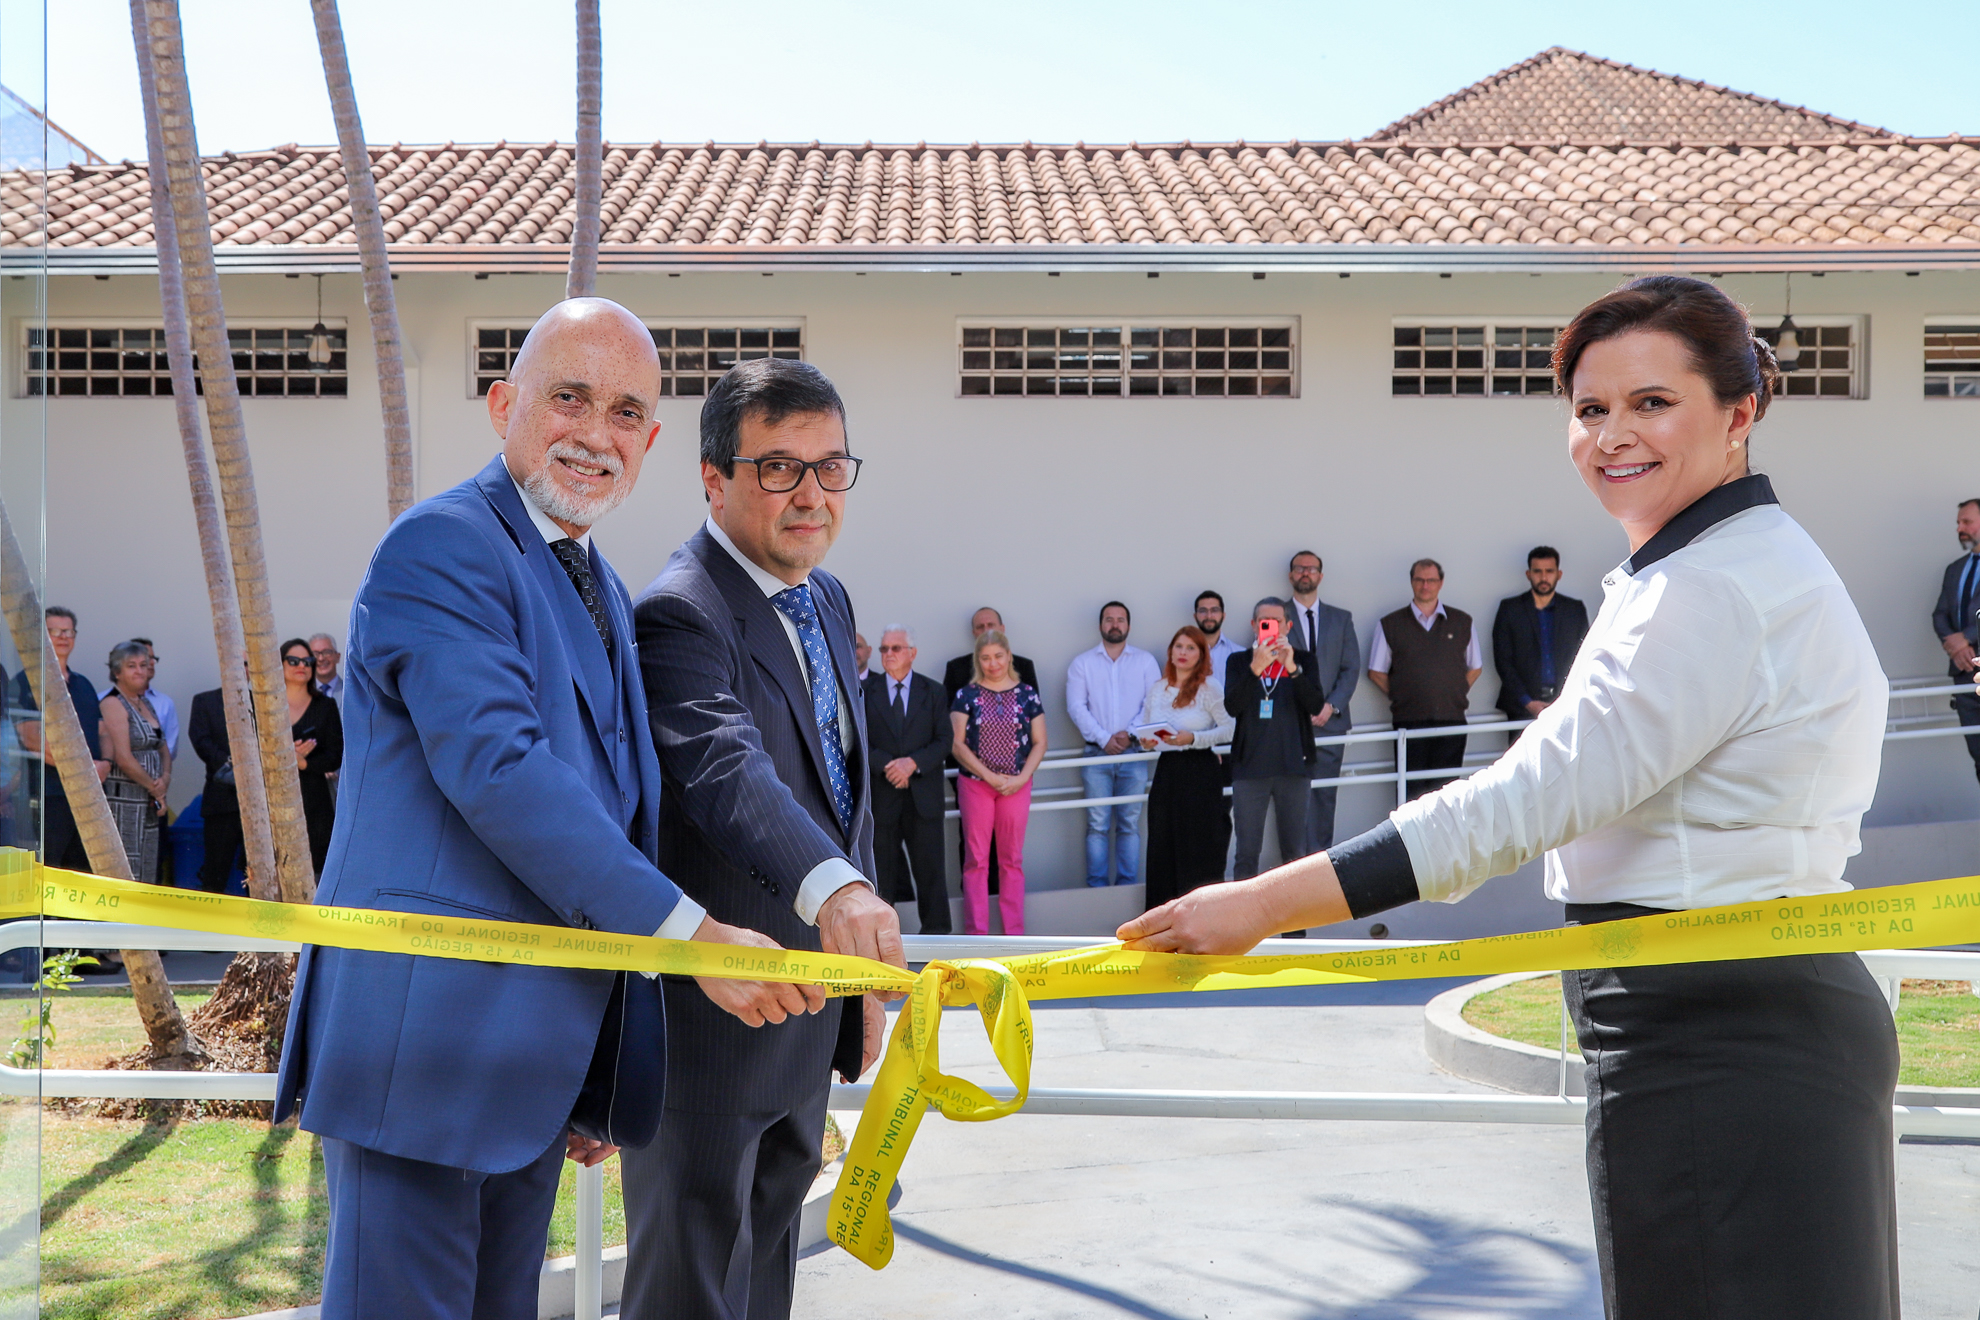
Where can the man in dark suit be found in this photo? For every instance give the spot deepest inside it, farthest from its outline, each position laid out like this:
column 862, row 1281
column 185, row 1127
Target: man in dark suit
column 957, row 675
column 959, row 672
column 1535, row 637
column 219, row 800
column 1956, row 619
column 498, row 766
column 1326, row 632
column 747, row 650
column 908, row 729
column 1272, row 693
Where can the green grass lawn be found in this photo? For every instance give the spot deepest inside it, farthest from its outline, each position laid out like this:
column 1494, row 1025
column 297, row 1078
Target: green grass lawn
column 190, row 1220
column 1938, row 1026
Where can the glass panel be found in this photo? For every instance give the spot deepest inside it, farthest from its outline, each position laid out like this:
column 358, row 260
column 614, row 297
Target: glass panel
column 786, row 339
column 1209, row 338
column 23, row 473
column 689, row 339
column 1009, row 338
column 976, row 337
column 1047, row 338
column 756, row 339
column 1244, row 339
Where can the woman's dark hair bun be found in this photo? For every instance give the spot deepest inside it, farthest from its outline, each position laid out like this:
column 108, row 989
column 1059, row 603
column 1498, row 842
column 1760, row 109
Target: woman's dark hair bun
column 1714, row 328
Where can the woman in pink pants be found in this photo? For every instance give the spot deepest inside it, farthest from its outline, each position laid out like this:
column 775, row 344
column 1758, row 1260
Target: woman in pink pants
column 1000, row 739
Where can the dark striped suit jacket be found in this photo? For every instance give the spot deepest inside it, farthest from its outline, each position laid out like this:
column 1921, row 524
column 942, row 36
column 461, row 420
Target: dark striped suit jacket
column 745, row 811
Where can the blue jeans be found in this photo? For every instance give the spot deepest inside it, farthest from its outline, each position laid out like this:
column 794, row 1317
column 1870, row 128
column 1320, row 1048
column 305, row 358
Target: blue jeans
column 1122, row 821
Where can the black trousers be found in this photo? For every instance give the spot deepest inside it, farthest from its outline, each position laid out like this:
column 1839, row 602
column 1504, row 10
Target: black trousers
column 1967, row 705
column 1189, row 826
column 1441, row 753
column 907, row 855
column 61, row 842
column 712, row 1213
column 222, row 833
column 1288, row 797
column 1740, row 1154
column 1320, row 811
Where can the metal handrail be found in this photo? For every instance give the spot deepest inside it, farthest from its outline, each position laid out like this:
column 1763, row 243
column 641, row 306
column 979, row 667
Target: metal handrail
column 1320, row 1106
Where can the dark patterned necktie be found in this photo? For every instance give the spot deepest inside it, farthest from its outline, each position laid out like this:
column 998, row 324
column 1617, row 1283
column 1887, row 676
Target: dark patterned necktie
column 797, row 606
column 578, row 564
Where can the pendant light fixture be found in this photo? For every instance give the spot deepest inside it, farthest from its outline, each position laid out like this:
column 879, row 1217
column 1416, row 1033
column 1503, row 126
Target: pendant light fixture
column 319, row 336
column 1787, row 348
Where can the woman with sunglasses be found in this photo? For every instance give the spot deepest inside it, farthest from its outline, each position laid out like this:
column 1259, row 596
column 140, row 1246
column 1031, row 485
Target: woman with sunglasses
column 318, row 732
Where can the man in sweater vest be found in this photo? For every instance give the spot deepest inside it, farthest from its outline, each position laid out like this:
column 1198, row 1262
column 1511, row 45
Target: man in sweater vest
column 1425, row 658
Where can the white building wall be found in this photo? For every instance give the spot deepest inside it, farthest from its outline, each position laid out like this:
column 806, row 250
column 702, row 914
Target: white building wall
column 1042, row 507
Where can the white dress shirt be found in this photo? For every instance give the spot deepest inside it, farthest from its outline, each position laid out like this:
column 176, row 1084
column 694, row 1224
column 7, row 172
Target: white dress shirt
column 1379, row 654
column 1717, row 739
column 685, row 919
column 1104, row 693
column 1204, row 717
column 834, row 873
column 1221, row 651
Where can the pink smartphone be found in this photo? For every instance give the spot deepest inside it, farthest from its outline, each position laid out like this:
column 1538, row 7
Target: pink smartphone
column 1268, row 632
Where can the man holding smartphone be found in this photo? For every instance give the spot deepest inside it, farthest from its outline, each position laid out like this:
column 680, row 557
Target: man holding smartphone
column 1271, row 691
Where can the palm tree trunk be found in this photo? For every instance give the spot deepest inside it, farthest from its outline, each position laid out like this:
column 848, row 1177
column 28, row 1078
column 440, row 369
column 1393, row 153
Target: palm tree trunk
column 220, row 594
column 362, row 190
column 583, row 279
column 164, row 44
column 62, row 735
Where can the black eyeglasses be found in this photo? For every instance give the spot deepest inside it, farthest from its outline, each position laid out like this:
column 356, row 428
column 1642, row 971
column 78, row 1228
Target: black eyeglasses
column 782, row 475
column 889, row 650
column 298, row 660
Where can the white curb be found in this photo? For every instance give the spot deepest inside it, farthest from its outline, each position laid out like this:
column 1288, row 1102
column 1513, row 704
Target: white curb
column 1465, row 1051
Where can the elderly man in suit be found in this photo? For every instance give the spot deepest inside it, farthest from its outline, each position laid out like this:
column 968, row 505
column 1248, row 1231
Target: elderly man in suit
column 1956, row 618
column 1326, row 633
column 747, row 649
column 907, row 724
column 498, row 767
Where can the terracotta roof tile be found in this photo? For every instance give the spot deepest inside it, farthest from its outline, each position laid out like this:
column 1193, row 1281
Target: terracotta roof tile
column 1861, row 190
column 1567, row 96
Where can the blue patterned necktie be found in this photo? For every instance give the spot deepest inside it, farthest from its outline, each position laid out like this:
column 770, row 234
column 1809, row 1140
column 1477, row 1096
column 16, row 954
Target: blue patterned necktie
column 796, row 605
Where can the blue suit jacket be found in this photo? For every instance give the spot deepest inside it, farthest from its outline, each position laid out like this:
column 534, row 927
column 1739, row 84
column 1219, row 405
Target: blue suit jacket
column 498, row 764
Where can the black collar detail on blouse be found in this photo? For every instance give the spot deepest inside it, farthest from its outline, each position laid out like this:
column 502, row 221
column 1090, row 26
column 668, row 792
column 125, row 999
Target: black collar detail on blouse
column 1701, row 515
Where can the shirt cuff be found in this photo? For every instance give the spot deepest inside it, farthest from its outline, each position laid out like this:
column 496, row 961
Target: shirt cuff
column 681, row 924
column 1375, row 871
column 826, row 879
column 683, row 921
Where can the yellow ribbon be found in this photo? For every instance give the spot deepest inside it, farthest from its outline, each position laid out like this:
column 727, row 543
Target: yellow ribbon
column 910, row 1080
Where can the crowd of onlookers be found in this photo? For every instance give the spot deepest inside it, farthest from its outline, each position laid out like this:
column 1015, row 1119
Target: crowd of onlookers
column 131, row 728
column 1259, row 714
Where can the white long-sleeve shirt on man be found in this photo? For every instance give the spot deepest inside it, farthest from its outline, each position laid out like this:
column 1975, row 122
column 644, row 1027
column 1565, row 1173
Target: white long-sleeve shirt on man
column 1104, row 694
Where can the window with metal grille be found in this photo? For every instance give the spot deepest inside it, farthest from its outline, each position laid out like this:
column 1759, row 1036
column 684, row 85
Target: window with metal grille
column 68, row 361
column 1828, row 361
column 1952, row 357
column 1477, row 357
column 1253, row 358
column 692, row 357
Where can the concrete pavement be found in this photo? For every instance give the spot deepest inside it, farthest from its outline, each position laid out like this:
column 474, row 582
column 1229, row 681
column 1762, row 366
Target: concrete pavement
column 1037, row 1218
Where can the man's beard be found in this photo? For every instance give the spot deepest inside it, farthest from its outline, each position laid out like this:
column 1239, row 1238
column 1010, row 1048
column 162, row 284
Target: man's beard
column 1543, row 589
column 567, row 506
column 1967, row 543
column 1113, row 636
column 1209, row 627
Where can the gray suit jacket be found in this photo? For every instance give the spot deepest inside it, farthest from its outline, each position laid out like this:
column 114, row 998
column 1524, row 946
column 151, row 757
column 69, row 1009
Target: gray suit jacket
column 745, row 811
column 1336, row 657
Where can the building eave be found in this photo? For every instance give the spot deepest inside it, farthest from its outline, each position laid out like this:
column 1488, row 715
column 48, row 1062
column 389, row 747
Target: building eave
column 1265, row 258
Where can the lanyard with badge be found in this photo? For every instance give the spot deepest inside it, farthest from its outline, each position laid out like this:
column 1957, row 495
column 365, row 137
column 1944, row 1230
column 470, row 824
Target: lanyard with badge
column 1268, row 635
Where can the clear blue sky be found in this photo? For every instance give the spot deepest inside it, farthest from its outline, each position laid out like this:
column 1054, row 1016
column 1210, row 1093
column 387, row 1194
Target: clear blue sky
column 992, row 70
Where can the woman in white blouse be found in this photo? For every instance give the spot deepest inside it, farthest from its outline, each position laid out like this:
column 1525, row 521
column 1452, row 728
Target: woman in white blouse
column 1189, row 823
column 1717, row 740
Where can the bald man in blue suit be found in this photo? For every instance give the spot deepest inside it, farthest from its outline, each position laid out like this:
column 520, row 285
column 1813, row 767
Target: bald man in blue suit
column 499, row 765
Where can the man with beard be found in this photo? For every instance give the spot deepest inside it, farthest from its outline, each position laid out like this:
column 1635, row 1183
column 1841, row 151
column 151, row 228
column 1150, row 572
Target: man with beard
column 1956, row 618
column 1105, row 690
column 1535, row 637
column 498, row 767
column 747, row 650
column 1209, row 612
